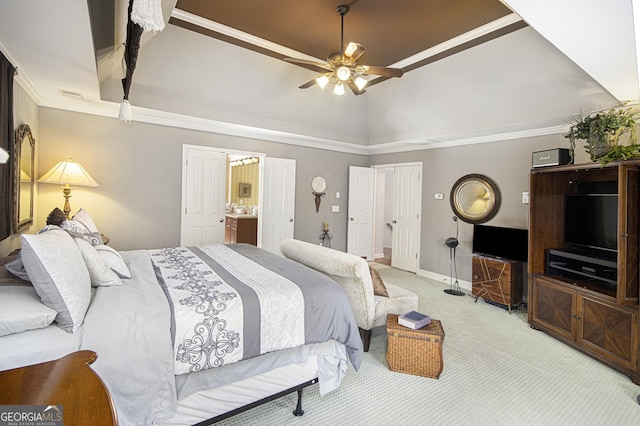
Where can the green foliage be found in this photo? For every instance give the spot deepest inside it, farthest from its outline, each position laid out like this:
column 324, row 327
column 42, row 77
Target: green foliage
column 603, row 131
column 621, row 152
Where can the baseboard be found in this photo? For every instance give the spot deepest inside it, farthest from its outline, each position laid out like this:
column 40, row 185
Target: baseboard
column 464, row 285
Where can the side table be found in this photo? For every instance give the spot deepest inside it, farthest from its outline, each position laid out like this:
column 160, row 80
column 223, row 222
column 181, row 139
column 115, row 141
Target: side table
column 417, row 352
column 68, row 382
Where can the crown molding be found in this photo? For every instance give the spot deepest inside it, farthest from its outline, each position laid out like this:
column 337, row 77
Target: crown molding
column 423, row 143
column 476, row 33
column 162, row 118
column 239, row 35
column 20, row 77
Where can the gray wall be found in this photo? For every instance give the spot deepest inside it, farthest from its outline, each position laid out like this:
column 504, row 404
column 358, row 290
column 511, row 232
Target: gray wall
column 139, row 169
column 138, row 166
column 506, row 162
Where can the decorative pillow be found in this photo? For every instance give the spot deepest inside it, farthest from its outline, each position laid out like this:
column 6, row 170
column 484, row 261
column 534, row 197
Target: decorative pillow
column 21, row 310
column 378, row 285
column 101, row 275
column 56, row 217
column 57, row 271
column 47, row 228
column 16, row 267
column 85, row 219
column 7, row 278
column 92, row 238
column 114, row 260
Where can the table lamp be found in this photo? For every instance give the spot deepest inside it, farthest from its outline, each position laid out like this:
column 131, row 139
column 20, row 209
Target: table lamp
column 67, row 173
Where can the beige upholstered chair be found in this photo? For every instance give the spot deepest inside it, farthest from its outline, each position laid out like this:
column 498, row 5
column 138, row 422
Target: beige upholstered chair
column 352, row 273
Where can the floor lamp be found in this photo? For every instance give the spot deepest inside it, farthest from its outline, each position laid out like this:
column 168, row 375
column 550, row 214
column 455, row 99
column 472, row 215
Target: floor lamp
column 452, row 243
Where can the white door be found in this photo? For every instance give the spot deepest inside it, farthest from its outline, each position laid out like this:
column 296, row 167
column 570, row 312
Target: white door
column 406, row 217
column 203, row 196
column 360, row 211
column 278, row 203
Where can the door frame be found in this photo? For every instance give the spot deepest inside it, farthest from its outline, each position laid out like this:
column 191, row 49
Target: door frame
column 227, row 152
column 352, row 205
column 381, row 167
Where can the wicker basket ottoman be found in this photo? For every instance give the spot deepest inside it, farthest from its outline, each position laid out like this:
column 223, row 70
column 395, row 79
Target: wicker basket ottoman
column 416, row 352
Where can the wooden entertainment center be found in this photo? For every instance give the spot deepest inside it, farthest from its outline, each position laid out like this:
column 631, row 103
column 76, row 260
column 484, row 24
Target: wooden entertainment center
column 581, row 299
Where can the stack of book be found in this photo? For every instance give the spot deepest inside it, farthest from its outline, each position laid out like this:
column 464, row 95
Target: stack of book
column 414, row 320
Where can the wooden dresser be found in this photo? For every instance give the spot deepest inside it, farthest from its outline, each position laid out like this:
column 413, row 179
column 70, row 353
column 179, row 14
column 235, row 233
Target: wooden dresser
column 497, row 280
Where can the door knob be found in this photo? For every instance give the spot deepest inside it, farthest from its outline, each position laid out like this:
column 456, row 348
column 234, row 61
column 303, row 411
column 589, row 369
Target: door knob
column 290, row 219
column 221, row 220
column 351, row 218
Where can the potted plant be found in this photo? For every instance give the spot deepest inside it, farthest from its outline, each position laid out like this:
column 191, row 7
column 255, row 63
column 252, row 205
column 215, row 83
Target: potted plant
column 610, row 135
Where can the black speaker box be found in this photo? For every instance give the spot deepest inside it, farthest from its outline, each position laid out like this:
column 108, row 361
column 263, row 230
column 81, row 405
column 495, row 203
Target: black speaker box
column 551, row 157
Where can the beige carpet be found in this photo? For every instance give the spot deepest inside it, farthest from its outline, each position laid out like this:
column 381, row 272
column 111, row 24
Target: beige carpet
column 497, row 371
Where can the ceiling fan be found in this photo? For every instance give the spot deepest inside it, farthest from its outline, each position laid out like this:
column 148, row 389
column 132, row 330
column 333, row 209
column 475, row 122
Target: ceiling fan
column 342, row 68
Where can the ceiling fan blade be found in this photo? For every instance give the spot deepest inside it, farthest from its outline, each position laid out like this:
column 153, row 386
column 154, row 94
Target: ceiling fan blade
column 319, row 65
column 353, row 51
column 308, row 84
column 354, row 88
column 381, row 71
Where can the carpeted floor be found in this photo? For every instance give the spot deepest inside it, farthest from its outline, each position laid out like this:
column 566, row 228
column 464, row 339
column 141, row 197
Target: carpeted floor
column 497, row 371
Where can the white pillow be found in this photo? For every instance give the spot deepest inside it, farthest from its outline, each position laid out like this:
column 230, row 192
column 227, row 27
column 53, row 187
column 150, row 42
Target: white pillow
column 114, row 260
column 16, row 267
column 101, row 275
column 58, row 273
column 21, row 310
column 85, row 218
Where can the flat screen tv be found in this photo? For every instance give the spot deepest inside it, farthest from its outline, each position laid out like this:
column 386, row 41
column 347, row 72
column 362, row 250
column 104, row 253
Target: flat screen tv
column 591, row 222
column 505, row 243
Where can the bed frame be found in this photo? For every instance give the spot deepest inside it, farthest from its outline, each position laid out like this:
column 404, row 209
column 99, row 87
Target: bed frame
column 297, row 412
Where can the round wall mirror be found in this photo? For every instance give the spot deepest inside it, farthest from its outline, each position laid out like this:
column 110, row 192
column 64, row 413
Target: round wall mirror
column 475, row 198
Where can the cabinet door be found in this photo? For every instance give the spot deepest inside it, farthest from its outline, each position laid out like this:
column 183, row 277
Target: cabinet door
column 608, row 331
column 628, row 259
column 247, row 231
column 497, row 280
column 230, row 230
column 553, row 307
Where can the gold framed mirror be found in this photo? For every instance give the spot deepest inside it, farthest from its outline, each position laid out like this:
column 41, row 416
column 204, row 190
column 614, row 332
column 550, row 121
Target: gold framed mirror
column 475, row 198
column 24, row 178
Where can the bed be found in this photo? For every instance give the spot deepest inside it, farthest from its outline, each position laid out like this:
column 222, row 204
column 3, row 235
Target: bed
column 183, row 334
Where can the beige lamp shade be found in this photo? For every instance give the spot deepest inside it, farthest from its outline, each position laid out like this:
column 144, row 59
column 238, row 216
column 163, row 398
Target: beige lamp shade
column 67, row 173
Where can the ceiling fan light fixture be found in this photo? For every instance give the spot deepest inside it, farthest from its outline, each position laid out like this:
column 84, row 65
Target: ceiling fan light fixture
column 322, row 81
column 360, row 82
column 343, row 73
column 343, row 66
column 351, row 49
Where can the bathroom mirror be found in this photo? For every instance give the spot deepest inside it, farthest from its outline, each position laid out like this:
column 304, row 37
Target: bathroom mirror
column 475, row 198
column 24, row 178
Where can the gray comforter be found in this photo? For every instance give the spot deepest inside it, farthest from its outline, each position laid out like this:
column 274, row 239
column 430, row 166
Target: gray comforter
column 130, row 328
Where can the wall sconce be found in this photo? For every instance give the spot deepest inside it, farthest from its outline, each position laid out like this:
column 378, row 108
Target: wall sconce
column 318, row 185
column 67, row 173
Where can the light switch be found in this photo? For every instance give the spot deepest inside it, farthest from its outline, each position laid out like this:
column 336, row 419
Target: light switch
column 438, row 196
column 525, row 198
column 335, row 209
column 337, row 194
